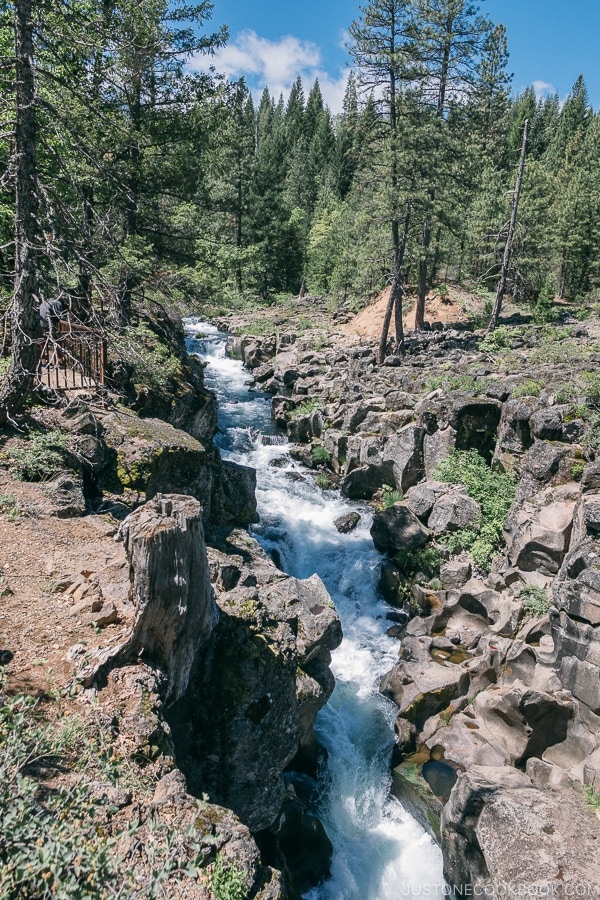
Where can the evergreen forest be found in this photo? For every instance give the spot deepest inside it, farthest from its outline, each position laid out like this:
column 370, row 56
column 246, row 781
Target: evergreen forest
column 129, row 178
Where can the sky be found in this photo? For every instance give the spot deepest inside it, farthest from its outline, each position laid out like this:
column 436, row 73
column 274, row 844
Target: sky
column 550, row 43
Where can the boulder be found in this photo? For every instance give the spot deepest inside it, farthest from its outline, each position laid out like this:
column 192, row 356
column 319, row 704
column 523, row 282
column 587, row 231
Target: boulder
column 538, row 531
column 453, row 512
column 364, row 482
column 233, row 496
column 514, row 431
column 404, row 451
column 421, row 499
column 577, row 587
column 542, row 461
column 499, row 833
column 476, row 423
column 397, row 528
column 65, row 493
column 347, row 523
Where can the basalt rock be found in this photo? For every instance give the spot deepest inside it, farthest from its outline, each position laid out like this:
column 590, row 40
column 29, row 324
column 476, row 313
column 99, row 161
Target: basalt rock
column 397, row 528
column 262, row 680
column 500, row 833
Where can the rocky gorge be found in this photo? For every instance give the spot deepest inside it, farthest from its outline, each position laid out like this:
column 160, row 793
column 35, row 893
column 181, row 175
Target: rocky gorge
column 497, row 681
column 208, row 665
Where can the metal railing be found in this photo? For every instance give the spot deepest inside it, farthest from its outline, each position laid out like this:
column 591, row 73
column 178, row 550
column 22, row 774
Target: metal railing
column 72, row 356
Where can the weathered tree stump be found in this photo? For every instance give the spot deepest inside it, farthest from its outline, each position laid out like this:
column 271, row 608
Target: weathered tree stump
column 171, row 591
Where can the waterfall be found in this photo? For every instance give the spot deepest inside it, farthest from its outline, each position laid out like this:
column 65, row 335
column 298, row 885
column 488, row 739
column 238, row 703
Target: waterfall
column 380, row 851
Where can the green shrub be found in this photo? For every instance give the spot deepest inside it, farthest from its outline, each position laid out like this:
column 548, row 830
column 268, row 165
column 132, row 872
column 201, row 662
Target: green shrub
column 527, row 389
column 577, row 470
column 544, row 310
column 50, row 842
column 413, row 562
column 59, row 840
column 9, row 506
column 228, row 881
column 592, row 390
column 498, row 339
column 41, row 459
column 494, row 491
column 535, row 601
column 323, row 482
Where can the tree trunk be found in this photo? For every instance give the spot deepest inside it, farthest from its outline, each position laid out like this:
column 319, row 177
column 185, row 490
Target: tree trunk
column 17, row 385
column 396, row 291
column 511, row 231
column 422, row 290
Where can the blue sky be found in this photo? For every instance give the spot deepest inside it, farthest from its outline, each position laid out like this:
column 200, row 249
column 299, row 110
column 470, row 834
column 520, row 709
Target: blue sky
column 551, row 42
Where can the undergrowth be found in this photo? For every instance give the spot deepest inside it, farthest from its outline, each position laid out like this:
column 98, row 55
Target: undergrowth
column 150, row 360
column 41, row 459
column 535, row 601
column 58, row 838
column 494, row 491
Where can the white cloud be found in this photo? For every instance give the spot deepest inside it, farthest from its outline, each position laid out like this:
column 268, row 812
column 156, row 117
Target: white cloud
column 276, row 65
column 543, row 89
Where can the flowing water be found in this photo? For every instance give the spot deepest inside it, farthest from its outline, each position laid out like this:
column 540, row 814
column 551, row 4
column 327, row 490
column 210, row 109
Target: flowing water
column 380, row 851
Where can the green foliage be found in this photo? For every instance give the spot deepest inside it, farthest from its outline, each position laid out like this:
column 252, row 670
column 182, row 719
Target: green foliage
column 52, row 843
column 323, row 482
column 418, row 562
column 389, row 496
column 592, row 797
column 228, row 881
column 494, row 491
column 577, row 470
column 150, row 359
column 41, row 459
column 305, row 408
column 535, row 601
column 9, row 506
column 320, row 455
column 465, row 383
column 592, row 390
column 496, row 340
column 544, row 310
column 60, row 840
column 527, row 389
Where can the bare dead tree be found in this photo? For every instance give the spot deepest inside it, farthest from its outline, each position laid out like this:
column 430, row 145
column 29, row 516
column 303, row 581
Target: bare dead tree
column 510, row 234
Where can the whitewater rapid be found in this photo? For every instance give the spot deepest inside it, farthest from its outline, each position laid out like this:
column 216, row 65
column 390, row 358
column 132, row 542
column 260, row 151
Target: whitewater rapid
column 380, row 851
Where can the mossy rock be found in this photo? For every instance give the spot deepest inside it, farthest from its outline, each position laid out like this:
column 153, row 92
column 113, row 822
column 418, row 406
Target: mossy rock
column 409, row 786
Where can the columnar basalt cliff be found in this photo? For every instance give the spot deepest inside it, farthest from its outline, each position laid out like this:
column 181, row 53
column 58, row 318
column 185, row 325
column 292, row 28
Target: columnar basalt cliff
column 498, row 678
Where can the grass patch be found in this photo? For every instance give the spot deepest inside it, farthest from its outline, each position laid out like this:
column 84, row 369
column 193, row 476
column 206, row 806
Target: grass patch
column 465, row 383
column 305, row 408
column 320, row 455
column 592, row 797
column 527, row 389
column 41, row 459
column 494, row 491
column 389, row 496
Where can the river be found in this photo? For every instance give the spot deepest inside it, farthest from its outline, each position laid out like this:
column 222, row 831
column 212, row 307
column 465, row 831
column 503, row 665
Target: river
column 380, row 851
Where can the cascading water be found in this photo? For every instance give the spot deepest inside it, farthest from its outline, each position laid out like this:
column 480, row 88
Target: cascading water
column 380, row 852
